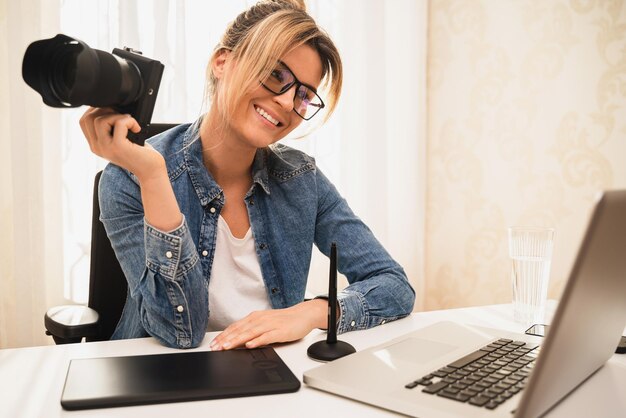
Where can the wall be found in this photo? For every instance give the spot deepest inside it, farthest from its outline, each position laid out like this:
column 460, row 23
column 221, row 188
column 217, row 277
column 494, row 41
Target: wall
column 526, row 122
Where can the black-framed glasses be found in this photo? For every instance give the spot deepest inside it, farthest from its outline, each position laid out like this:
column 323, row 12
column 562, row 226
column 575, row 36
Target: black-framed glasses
column 306, row 101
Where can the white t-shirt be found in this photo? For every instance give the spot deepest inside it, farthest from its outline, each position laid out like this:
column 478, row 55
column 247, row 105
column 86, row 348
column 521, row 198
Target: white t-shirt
column 236, row 285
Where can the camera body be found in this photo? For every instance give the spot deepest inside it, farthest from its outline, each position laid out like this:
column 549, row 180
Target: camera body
column 151, row 72
column 68, row 73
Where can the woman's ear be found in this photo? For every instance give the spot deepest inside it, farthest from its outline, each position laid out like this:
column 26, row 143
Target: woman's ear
column 218, row 62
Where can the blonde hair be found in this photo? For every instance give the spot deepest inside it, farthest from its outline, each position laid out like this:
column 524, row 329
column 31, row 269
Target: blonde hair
column 257, row 38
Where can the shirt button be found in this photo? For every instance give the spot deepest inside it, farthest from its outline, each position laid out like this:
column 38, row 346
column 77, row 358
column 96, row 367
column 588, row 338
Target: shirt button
column 180, row 308
column 352, row 324
column 212, row 210
column 205, row 253
column 382, row 322
column 168, row 254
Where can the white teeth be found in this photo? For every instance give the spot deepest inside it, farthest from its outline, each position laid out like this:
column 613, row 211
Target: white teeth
column 265, row 115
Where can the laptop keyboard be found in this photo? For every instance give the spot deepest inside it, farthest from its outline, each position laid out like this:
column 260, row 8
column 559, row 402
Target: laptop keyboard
column 484, row 378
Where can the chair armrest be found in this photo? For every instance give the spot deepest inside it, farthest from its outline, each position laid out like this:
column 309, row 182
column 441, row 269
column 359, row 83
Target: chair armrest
column 71, row 323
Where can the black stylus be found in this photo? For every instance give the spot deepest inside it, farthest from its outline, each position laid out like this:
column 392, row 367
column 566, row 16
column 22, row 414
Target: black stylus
column 331, row 335
column 331, row 349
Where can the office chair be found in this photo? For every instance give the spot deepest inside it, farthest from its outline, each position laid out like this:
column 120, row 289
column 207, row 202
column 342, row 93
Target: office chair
column 107, row 292
column 107, row 286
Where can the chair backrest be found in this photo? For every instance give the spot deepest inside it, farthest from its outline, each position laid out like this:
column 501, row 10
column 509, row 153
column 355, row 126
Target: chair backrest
column 107, row 283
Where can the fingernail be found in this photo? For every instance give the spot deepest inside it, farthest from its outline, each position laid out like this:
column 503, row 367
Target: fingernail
column 226, row 345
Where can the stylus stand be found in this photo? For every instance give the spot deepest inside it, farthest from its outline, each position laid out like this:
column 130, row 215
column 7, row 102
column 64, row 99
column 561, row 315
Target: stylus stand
column 325, row 351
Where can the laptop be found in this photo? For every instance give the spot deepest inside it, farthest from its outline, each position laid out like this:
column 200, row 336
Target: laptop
column 450, row 369
column 175, row 377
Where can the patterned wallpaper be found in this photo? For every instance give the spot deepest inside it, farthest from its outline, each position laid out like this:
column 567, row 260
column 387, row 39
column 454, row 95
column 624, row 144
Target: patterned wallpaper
column 526, row 121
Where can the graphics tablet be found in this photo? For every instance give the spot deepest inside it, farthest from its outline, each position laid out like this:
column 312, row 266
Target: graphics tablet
column 175, row 377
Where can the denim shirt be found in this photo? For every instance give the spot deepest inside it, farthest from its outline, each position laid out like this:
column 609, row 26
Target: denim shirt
column 291, row 206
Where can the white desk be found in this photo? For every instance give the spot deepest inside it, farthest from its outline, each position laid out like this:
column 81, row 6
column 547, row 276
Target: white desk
column 31, row 379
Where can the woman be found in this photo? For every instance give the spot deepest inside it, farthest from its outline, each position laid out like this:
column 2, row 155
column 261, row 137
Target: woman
column 213, row 222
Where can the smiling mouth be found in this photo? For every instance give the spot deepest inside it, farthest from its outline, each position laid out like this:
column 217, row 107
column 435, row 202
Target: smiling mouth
column 267, row 116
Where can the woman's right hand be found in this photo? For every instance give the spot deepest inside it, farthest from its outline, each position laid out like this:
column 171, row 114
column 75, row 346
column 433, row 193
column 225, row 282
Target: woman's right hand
column 106, row 132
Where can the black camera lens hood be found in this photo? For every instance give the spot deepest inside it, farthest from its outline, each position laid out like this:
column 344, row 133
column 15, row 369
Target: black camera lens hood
column 36, row 67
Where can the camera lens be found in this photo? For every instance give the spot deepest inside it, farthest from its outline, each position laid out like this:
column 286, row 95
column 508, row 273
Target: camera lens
column 62, row 76
column 68, row 73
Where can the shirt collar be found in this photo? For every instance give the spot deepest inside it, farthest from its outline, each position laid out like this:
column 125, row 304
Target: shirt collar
column 203, row 182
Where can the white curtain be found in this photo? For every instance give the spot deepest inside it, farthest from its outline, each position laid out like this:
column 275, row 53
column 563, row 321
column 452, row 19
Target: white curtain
column 31, row 274
column 373, row 147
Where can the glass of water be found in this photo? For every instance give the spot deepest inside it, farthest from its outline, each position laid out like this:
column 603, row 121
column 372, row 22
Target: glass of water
column 530, row 249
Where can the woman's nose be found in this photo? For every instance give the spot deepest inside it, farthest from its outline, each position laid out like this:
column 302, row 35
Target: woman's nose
column 285, row 100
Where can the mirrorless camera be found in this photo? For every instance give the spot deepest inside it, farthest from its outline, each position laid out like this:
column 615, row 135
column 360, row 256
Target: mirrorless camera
column 68, row 73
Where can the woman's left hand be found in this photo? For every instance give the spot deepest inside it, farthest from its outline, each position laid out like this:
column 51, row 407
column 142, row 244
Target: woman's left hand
column 272, row 326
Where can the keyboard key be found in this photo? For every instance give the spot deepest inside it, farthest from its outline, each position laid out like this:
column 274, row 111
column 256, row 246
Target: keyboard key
column 469, row 392
column 483, row 385
column 450, row 390
column 435, row 387
column 464, row 361
column 502, row 385
column 495, row 389
column 476, row 388
column 410, row 385
column 489, row 394
column 479, row 400
column 491, row 404
column 507, row 394
column 490, row 380
column 457, row 397
column 425, row 382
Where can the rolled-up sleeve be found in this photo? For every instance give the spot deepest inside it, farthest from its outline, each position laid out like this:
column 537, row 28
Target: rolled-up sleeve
column 162, row 268
column 378, row 290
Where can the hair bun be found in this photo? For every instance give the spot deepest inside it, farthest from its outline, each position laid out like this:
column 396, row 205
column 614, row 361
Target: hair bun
column 292, row 4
